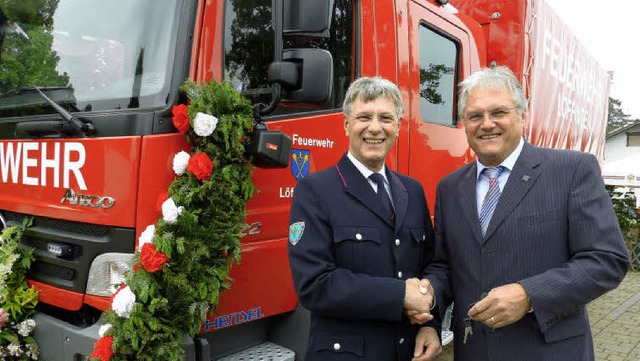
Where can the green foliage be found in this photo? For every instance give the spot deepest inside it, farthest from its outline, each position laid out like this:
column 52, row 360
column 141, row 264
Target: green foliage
column 17, row 299
column 617, row 117
column 33, row 62
column 624, row 204
column 202, row 244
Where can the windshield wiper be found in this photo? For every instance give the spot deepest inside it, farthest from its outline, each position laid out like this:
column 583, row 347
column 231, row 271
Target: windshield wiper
column 70, row 125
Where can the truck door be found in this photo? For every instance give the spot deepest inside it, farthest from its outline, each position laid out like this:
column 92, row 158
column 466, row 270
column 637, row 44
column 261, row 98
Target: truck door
column 438, row 45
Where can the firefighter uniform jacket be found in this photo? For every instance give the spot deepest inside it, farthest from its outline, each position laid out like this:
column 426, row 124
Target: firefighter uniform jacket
column 349, row 262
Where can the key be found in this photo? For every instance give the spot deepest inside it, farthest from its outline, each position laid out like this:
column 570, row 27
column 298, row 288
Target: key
column 468, row 329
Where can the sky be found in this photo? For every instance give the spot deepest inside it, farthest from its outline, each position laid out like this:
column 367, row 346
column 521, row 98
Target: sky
column 610, row 31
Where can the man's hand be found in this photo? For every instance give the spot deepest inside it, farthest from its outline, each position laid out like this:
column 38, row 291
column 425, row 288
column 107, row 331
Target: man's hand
column 418, row 299
column 427, row 345
column 503, row 306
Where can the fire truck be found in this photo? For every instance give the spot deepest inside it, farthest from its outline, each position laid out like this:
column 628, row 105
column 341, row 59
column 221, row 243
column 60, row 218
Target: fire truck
column 86, row 137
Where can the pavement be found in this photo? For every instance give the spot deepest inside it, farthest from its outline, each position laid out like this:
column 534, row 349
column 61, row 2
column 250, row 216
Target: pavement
column 615, row 323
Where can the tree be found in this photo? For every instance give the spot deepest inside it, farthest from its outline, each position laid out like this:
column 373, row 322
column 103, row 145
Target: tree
column 617, row 117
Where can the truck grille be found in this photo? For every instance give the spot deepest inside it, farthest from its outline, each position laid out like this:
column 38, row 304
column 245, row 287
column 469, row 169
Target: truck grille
column 82, row 241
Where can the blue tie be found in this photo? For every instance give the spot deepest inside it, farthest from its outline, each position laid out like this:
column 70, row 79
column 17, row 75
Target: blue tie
column 491, row 198
column 383, row 196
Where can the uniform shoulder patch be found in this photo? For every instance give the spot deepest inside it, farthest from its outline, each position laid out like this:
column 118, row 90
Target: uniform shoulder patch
column 295, row 232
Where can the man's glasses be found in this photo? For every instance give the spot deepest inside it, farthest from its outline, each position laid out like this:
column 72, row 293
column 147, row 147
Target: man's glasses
column 494, row 114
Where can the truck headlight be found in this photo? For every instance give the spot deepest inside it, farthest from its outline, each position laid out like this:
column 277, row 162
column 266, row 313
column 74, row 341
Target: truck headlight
column 107, row 272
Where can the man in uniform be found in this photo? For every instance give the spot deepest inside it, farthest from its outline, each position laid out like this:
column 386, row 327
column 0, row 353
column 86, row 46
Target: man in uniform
column 359, row 236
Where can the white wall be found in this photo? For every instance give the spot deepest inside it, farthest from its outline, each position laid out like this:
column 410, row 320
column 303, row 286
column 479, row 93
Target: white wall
column 622, row 163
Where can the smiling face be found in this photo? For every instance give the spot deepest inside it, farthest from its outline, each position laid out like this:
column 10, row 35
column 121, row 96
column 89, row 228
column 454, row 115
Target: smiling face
column 492, row 124
column 372, row 127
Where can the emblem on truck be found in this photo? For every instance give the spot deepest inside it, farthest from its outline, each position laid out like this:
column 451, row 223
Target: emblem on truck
column 300, row 163
column 87, row 200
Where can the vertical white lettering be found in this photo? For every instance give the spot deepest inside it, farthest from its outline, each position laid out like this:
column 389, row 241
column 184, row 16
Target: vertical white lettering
column 51, row 163
column 555, row 57
column 74, row 166
column 546, row 52
column 29, row 163
column 10, row 161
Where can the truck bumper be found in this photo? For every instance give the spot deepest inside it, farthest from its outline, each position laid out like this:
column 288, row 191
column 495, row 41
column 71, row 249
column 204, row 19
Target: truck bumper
column 61, row 341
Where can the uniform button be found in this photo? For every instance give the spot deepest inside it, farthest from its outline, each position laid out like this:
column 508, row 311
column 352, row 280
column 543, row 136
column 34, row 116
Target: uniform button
column 397, row 242
column 399, row 274
column 401, row 341
column 358, row 237
column 336, row 346
column 423, row 238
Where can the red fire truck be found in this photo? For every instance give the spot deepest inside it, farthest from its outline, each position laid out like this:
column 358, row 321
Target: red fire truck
column 86, row 137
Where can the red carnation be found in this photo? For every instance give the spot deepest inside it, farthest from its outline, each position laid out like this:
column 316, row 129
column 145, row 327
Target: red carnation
column 201, row 166
column 103, row 349
column 151, row 259
column 136, row 267
column 163, row 196
column 181, row 118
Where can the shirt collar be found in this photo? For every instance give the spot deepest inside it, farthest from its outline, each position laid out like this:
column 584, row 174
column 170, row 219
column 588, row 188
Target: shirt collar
column 366, row 172
column 508, row 163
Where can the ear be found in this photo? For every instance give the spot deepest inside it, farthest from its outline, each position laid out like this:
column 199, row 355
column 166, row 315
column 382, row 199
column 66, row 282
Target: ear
column 346, row 125
column 523, row 119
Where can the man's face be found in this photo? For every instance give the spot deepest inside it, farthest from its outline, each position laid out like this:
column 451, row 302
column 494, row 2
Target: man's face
column 372, row 128
column 492, row 124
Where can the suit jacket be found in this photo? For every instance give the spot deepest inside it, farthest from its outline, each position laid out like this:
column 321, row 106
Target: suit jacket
column 350, row 264
column 554, row 231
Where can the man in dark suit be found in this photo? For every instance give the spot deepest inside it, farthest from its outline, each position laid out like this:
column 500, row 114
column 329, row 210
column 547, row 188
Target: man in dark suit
column 532, row 239
column 359, row 236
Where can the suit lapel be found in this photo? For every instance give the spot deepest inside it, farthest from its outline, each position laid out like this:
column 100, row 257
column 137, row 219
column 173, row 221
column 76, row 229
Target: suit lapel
column 400, row 197
column 357, row 186
column 523, row 176
column 467, row 199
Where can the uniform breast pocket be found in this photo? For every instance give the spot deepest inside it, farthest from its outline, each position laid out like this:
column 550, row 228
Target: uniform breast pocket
column 357, row 247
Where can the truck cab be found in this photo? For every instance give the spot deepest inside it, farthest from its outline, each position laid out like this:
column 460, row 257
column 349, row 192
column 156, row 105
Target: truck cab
column 86, row 93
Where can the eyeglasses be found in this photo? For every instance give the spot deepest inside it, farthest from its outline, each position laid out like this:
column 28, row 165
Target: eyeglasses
column 494, row 114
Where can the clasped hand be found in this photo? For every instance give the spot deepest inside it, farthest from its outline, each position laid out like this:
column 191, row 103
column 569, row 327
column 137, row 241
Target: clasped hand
column 418, row 300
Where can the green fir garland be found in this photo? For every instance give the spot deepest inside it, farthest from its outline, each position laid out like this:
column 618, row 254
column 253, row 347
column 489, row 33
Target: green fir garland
column 178, row 280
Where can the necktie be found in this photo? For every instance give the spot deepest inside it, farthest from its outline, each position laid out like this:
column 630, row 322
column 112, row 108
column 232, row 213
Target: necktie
column 383, row 196
column 491, row 198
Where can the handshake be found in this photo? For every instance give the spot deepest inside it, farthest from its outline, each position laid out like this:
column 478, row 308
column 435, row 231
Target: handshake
column 418, row 300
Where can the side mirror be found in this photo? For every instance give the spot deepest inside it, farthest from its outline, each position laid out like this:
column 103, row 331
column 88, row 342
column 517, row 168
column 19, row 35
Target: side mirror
column 306, row 75
column 300, row 75
column 311, row 18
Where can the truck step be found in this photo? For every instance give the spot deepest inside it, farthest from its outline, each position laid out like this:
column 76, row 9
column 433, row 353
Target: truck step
column 267, row 351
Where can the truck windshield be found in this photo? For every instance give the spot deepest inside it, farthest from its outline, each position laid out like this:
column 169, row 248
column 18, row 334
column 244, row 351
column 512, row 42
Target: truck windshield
column 109, row 55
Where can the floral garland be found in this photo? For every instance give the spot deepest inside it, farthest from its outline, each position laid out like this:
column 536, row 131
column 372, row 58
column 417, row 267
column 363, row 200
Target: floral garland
column 17, row 299
column 183, row 261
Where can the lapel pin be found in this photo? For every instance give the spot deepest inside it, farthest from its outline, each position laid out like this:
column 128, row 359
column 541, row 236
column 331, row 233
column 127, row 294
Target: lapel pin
column 525, row 178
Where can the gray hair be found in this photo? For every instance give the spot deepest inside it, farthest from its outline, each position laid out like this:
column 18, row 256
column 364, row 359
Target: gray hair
column 370, row 88
column 492, row 78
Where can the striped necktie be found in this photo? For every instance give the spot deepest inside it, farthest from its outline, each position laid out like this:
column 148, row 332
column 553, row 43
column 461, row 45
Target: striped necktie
column 491, row 198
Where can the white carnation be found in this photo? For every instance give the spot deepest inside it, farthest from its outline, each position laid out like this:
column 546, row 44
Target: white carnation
column 103, row 329
column 180, row 162
column 170, row 211
column 204, row 124
column 123, row 302
column 146, row 236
